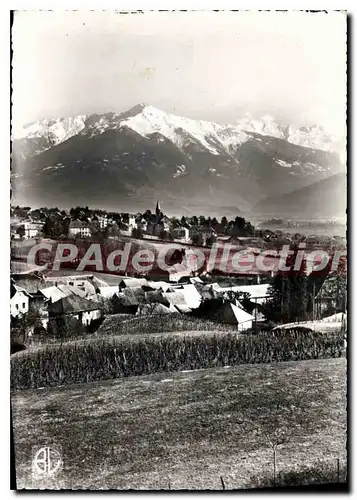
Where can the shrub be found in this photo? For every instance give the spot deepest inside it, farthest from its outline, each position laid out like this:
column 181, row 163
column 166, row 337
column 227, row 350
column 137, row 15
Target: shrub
column 100, row 359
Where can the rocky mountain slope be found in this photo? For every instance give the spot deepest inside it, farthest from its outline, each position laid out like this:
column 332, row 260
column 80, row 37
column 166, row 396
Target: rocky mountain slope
column 325, row 198
column 129, row 160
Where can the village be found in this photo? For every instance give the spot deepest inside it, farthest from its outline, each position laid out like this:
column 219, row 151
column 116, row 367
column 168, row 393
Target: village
column 49, row 303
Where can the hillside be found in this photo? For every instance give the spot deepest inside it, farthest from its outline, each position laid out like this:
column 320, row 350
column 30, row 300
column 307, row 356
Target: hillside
column 326, row 198
column 185, row 429
column 132, row 159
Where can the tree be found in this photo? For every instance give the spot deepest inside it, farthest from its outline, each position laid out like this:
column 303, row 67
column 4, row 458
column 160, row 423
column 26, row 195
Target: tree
column 202, row 220
column 214, row 223
column 175, row 222
column 25, row 323
column 224, row 222
column 210, row 241
column 194, row 220
column 21, row 231
column 65, row 328
column 183, row 221
column 197, row 239
column 137, row 233
column 56, row 226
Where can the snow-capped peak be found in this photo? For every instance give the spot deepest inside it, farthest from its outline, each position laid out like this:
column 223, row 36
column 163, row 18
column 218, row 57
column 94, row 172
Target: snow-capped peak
column 209, row 134
column 146, row 120
column 59, row 129
column 311, row 136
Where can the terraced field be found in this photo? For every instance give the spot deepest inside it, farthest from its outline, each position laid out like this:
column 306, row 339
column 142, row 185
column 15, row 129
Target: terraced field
column 185, row 430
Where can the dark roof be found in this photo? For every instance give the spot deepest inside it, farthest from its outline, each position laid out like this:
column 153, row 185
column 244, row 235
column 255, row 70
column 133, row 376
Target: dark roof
column 131, row 297
column 13, row 290
column 205, row 291
column 78, row 224
column 73, row 304
column 32, row 285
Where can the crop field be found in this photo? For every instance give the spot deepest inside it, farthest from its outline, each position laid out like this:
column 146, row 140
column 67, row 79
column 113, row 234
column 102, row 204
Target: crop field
column 185, row 430
column 123, row 356
column 158, row 323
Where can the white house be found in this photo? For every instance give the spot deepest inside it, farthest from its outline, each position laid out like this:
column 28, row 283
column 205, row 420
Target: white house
column 181, row 233
column 103, row 221
column 129, row 220
column 19, row 301
column 32, row 229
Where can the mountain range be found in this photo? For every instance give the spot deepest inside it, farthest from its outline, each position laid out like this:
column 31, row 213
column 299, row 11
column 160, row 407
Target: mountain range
column 129, row 160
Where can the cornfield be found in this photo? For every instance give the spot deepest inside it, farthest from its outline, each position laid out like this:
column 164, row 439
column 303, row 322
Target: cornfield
column 109, row 358
column 119, row 324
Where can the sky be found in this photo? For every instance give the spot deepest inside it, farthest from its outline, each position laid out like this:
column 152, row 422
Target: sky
column 202, row 65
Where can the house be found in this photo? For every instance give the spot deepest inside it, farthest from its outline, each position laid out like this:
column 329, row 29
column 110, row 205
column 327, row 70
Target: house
column 206, row 232
column 143, row 225
column 178, row 300
column 107, row 292
column 19, row 301
column 196, row 279
column 80, row 229
column 155, row 308
column 131, row 283
column 102, row 221
column 192, row 296
column 179, row 272
column 76, row 307
column 126, row 302
column 250, row 241
column 79, row 284
column 160, row 227
column 31, row 285
column 257, row 310
column 160, row 285
column 32, row 229
column 53, row 294
column 129, row 221
column 181, row 233
column 206, row 292
column 232, row 314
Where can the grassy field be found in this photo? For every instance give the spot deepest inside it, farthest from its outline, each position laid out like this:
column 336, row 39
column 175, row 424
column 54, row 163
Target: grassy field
column 185, row 429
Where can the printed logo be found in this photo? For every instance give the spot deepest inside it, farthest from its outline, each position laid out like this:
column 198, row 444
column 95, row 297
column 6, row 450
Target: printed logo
column 46, row 461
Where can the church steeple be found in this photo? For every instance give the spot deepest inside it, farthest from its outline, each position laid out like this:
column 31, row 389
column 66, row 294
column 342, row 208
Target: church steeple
column 158, row 209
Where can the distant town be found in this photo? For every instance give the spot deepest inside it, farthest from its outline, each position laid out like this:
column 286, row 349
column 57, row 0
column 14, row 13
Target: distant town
column 83, row 222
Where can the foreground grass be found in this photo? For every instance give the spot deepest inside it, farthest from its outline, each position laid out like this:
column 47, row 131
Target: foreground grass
column 185, row 430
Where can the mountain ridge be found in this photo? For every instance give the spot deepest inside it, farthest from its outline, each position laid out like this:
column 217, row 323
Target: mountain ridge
column 144, row 154
column 327, row 197
column 312, row 136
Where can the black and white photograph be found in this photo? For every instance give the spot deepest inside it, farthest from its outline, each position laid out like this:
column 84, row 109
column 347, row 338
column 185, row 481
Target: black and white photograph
column 178, row 240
